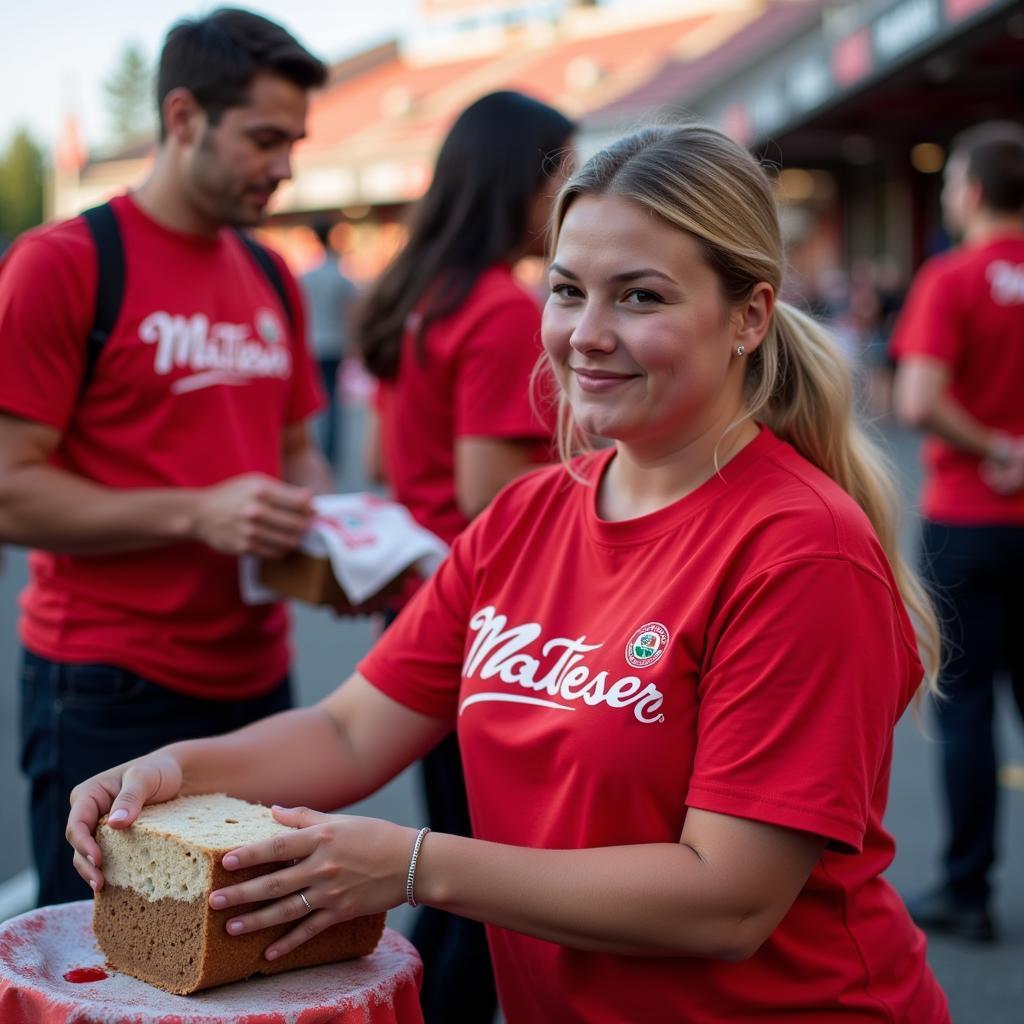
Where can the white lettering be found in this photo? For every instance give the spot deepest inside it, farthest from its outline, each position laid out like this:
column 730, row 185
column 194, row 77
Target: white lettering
column 1007, row 280
column 195, row 344
column 499, row 651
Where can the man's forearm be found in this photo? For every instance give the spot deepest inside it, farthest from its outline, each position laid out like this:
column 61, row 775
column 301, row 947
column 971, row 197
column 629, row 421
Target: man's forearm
column 46, row 507
column 949, row 420
column 922, row 399
column 306, row 467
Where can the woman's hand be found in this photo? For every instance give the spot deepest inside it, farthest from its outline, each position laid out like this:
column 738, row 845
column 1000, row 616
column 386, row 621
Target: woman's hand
column 344, row 866
column 121, row 792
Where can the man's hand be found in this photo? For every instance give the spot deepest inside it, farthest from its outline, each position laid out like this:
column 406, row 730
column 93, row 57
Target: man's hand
column 1004, row 470
column 253, row 514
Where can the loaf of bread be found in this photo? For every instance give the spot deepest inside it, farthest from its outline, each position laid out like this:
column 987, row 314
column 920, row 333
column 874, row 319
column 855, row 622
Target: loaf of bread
column 152, row 918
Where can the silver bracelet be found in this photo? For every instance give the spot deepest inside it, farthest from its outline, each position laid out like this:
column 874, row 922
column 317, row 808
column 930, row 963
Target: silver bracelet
column 410, row 879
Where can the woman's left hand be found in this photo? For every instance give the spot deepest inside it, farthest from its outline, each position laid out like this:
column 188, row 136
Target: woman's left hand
column 343, row 865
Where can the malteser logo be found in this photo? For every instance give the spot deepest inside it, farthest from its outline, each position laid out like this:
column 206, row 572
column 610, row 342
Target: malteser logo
column 219, row 353
column 268, row 326
column 647, row 645
column 557, row 667
column 1007, row 281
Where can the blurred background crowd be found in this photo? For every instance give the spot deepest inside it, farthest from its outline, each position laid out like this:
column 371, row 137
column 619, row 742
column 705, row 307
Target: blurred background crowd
column 854, row 104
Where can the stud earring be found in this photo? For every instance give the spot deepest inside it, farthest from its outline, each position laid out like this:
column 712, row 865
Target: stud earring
column 740, row 350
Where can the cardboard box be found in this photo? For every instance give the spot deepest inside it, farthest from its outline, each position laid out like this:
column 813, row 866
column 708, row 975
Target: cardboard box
column 305, row 577
column 311, row 578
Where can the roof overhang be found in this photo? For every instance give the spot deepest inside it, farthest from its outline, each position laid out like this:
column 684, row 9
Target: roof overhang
column 850, row 50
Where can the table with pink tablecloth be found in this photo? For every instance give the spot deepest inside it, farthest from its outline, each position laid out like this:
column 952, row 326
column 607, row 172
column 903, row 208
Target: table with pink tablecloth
column 40, row 948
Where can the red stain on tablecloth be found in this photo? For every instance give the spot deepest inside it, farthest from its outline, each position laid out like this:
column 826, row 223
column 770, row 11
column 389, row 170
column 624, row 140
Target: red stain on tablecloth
column 81, row 975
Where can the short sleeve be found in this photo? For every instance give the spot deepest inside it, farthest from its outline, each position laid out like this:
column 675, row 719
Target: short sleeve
column 46, row 307
column 929, row 324
column 418, row 659
column 495, row 370
column 307, row 396
column 808, row 669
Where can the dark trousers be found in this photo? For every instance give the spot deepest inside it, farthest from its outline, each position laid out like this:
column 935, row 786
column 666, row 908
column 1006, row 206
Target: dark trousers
column 330, row 439
column 977, row 573
column 78, row 720
column 458, row 981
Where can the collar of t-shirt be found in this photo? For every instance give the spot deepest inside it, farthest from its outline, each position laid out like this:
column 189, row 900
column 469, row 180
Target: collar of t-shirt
column 632, row 531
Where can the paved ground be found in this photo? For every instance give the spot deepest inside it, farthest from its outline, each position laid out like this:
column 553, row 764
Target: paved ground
column 985, row 986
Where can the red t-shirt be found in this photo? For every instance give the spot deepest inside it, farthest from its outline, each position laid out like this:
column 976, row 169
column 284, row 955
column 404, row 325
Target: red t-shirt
column 966, row 309
column 196, row 384
column 744, row 651
column 474, row 381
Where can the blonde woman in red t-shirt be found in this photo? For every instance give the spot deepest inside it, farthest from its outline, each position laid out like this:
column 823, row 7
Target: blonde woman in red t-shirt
column 674, row 665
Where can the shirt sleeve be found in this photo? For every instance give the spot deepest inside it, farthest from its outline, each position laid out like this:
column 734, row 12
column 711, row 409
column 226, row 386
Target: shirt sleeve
column 495, row 374
column 808, row 668
column 46, row 307
column 418, row 659
column 307, row 395
column 929, row 324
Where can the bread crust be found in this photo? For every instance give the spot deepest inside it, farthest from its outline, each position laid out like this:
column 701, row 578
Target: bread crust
column 182, row 945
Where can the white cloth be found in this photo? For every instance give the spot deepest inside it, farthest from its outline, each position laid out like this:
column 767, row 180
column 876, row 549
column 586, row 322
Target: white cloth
column 369, row 541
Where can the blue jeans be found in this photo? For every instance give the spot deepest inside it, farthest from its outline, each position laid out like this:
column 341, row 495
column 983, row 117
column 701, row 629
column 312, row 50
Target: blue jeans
column 81, row 719
column 975, row 573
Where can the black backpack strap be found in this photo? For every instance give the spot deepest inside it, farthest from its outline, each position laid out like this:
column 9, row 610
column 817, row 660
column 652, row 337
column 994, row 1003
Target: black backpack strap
column 106, row 234
column 102, row 224
column 271, row 271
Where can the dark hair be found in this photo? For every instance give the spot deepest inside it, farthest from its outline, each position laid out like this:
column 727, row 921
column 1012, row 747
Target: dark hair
column 994, row 152
column 216, row 58
column 475, row 214
column 322, row 228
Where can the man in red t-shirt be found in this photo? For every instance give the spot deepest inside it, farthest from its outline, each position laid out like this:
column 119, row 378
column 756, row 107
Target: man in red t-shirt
column 960, row 346
column 140, row 481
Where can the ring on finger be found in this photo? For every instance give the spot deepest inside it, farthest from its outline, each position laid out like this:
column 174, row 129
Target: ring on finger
column 305, row 903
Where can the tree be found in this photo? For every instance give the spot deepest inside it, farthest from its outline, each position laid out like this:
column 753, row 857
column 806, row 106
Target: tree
column 129, row 99
column 21, row 186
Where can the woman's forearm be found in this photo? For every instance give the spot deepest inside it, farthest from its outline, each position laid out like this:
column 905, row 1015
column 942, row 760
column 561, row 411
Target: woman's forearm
column 294, row 758
column 656, row 899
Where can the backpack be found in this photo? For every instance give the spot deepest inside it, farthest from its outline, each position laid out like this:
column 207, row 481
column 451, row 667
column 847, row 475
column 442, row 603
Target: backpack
column 106, row 234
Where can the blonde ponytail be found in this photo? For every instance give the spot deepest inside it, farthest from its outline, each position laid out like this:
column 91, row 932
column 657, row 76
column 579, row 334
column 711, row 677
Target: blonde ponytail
column 797, row 382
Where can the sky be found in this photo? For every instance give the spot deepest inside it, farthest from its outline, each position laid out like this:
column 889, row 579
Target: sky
column 55, row 54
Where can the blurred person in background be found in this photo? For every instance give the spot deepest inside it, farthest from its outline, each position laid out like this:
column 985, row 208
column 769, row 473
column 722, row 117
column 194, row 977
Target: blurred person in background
column 141, row 468
column 330, row 297
column 960, row 378
column 879, row 365
column 453, row 341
